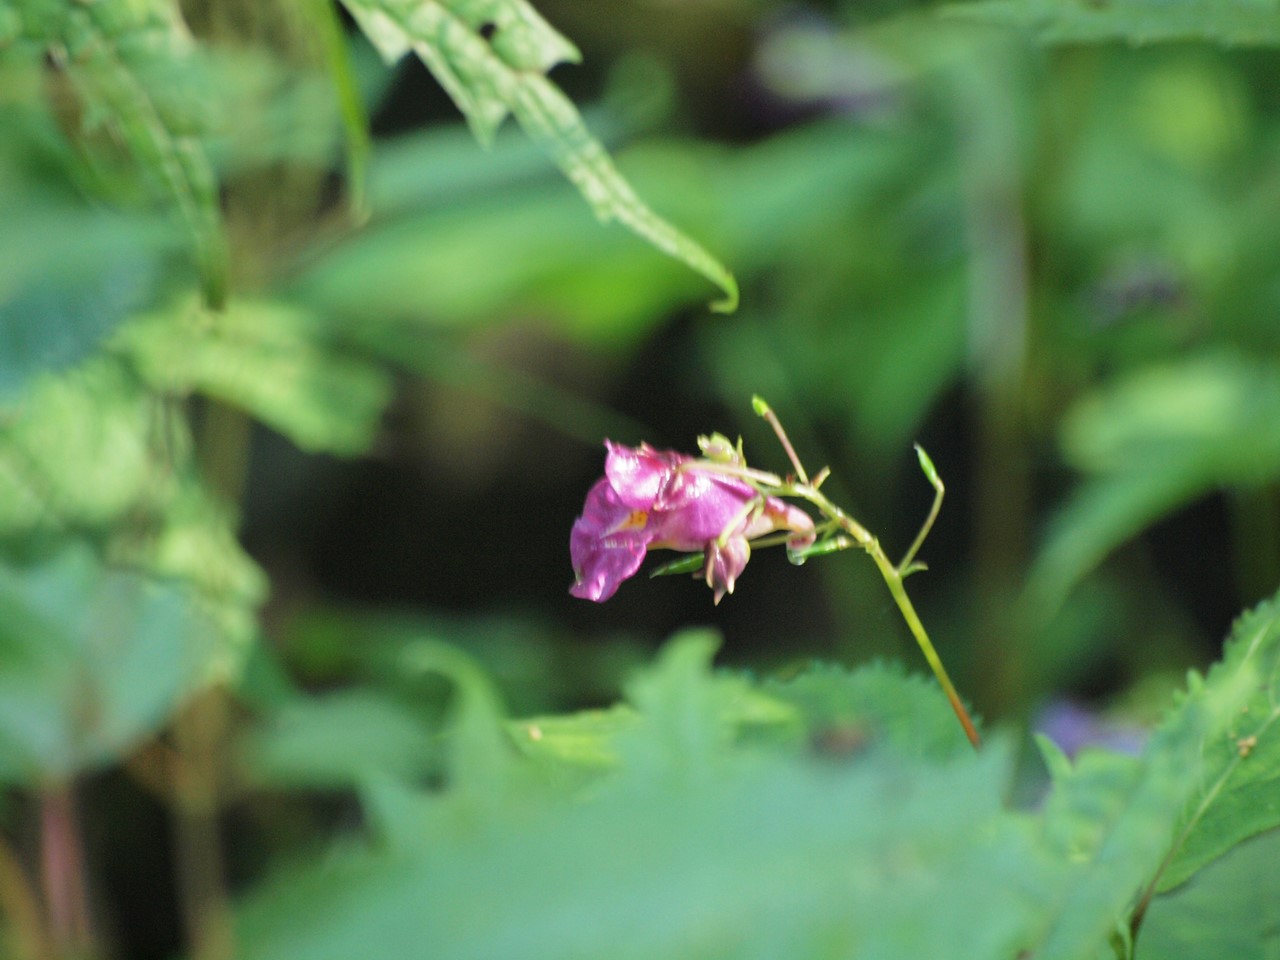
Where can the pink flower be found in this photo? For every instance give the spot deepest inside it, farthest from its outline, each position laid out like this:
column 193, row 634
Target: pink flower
column 662, row 499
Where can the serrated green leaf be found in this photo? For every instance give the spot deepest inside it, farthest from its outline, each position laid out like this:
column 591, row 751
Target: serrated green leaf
column 876, row 706
column 93, row 454
column 270, row 359
column 799, row 861
column 1124, row 823
column 1153, row 441
column 504, row 73
column 91, row 661
column 81, row 450
column 1109, row 820
column 1248, row 23
column 1238, row 774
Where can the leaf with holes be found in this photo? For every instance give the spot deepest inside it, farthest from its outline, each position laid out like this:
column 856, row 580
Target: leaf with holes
column 492, row 56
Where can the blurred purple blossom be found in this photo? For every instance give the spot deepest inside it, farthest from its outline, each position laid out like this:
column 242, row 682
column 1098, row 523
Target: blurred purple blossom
column 1073, row 727
column 662, row 499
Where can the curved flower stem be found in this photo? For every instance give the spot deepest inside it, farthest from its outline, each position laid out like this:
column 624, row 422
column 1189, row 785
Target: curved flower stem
column 892, row 575
column 893, row 580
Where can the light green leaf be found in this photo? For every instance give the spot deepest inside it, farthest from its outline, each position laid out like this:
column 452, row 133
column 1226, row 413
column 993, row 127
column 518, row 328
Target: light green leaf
column 1226, row 910
column 1124, row 824
column 270, row 359
column 1154, row 441
column 81, row 450
column 338, row 740
column 91, row 453
column 505, row 73
column 782, row 860
column 1238, row 774
column 1247, row 23
column 91, row 661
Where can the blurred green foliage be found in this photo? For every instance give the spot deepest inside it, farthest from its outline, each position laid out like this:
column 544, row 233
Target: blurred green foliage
column 1037, row 234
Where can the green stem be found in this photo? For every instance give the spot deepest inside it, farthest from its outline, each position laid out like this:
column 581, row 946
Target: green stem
column 893, row 579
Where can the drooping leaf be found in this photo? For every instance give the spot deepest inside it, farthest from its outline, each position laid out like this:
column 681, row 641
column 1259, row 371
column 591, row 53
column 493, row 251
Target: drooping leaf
column 504, row 73
column 136, row 71
column 93, row 660
column 1246, row 23
column 272, row 360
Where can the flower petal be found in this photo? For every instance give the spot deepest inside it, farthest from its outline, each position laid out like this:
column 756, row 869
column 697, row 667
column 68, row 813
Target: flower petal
column 640, row 475
column 725, row 564
column 607, row 544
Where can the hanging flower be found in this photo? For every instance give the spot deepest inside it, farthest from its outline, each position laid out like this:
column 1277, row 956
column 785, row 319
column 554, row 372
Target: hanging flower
column 662, row 499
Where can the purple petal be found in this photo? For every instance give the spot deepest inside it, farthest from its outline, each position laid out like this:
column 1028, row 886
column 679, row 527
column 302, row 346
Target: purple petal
column 699, row 508
column 641, row 474
column 607, row 545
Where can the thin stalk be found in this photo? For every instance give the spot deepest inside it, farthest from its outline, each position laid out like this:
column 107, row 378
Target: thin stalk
column 939, row 491
column 20, row 905
column 63, row 872
column 765, row 411
column 893, row 579
column 892, row 575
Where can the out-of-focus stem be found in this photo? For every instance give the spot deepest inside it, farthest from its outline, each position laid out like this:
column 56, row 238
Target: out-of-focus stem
column 21, row 907
column 62, row 872
column 199, row 733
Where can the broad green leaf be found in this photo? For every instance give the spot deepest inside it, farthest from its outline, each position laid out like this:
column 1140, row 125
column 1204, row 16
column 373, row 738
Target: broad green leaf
column 1226, row 910
column 1152, row 442
column 489, row 77
column 681, row 720
column 783, row 860
column 136, row 71
column 272, row 360
column 1238, row 775
column 1247, row 23
column 1109, row 819
column 69, row 273
column 92, row 660
column 1123, row 824
column 91, row 453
